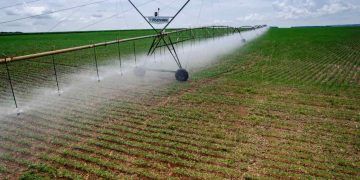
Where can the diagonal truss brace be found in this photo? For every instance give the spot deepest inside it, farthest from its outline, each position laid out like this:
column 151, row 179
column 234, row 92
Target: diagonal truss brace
column 162, row 37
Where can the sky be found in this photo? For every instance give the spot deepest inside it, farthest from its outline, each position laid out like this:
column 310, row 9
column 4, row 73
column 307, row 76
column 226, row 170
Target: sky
column 119, row 14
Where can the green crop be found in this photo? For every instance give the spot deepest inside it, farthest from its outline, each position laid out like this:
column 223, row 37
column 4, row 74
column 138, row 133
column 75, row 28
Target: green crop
column 283, row 106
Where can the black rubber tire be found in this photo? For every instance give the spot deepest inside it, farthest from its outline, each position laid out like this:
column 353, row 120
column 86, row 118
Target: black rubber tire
column 182, row 75
column 139, row 71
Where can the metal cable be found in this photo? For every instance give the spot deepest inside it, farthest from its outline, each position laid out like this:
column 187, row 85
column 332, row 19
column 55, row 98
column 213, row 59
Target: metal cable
column 112, row 16
column 52, row 12
column 18, row 4
column 65, row 19
column 199, row 15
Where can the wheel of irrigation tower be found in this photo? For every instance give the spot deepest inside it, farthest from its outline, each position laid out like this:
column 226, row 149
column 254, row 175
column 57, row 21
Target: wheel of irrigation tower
column 182, row 75
column 139, row 71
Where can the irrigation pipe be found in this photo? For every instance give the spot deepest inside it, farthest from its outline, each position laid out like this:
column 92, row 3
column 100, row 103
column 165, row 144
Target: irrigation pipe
column 62, row 51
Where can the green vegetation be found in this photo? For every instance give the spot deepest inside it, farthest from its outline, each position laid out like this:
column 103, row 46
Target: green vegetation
column 23, row 44
column 2, row 169
column 15, row 45
column 40, row 70
column 284, row 106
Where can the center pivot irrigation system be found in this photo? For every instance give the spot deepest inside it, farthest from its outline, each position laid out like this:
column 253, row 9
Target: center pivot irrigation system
column 159, row 40
column 181, row 74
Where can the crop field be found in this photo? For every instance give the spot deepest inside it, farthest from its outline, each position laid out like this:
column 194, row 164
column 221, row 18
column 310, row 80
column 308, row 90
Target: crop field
column 285, row 105
column 22, row 44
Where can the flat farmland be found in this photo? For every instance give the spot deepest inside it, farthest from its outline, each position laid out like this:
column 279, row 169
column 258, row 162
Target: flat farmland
column 285, row 105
